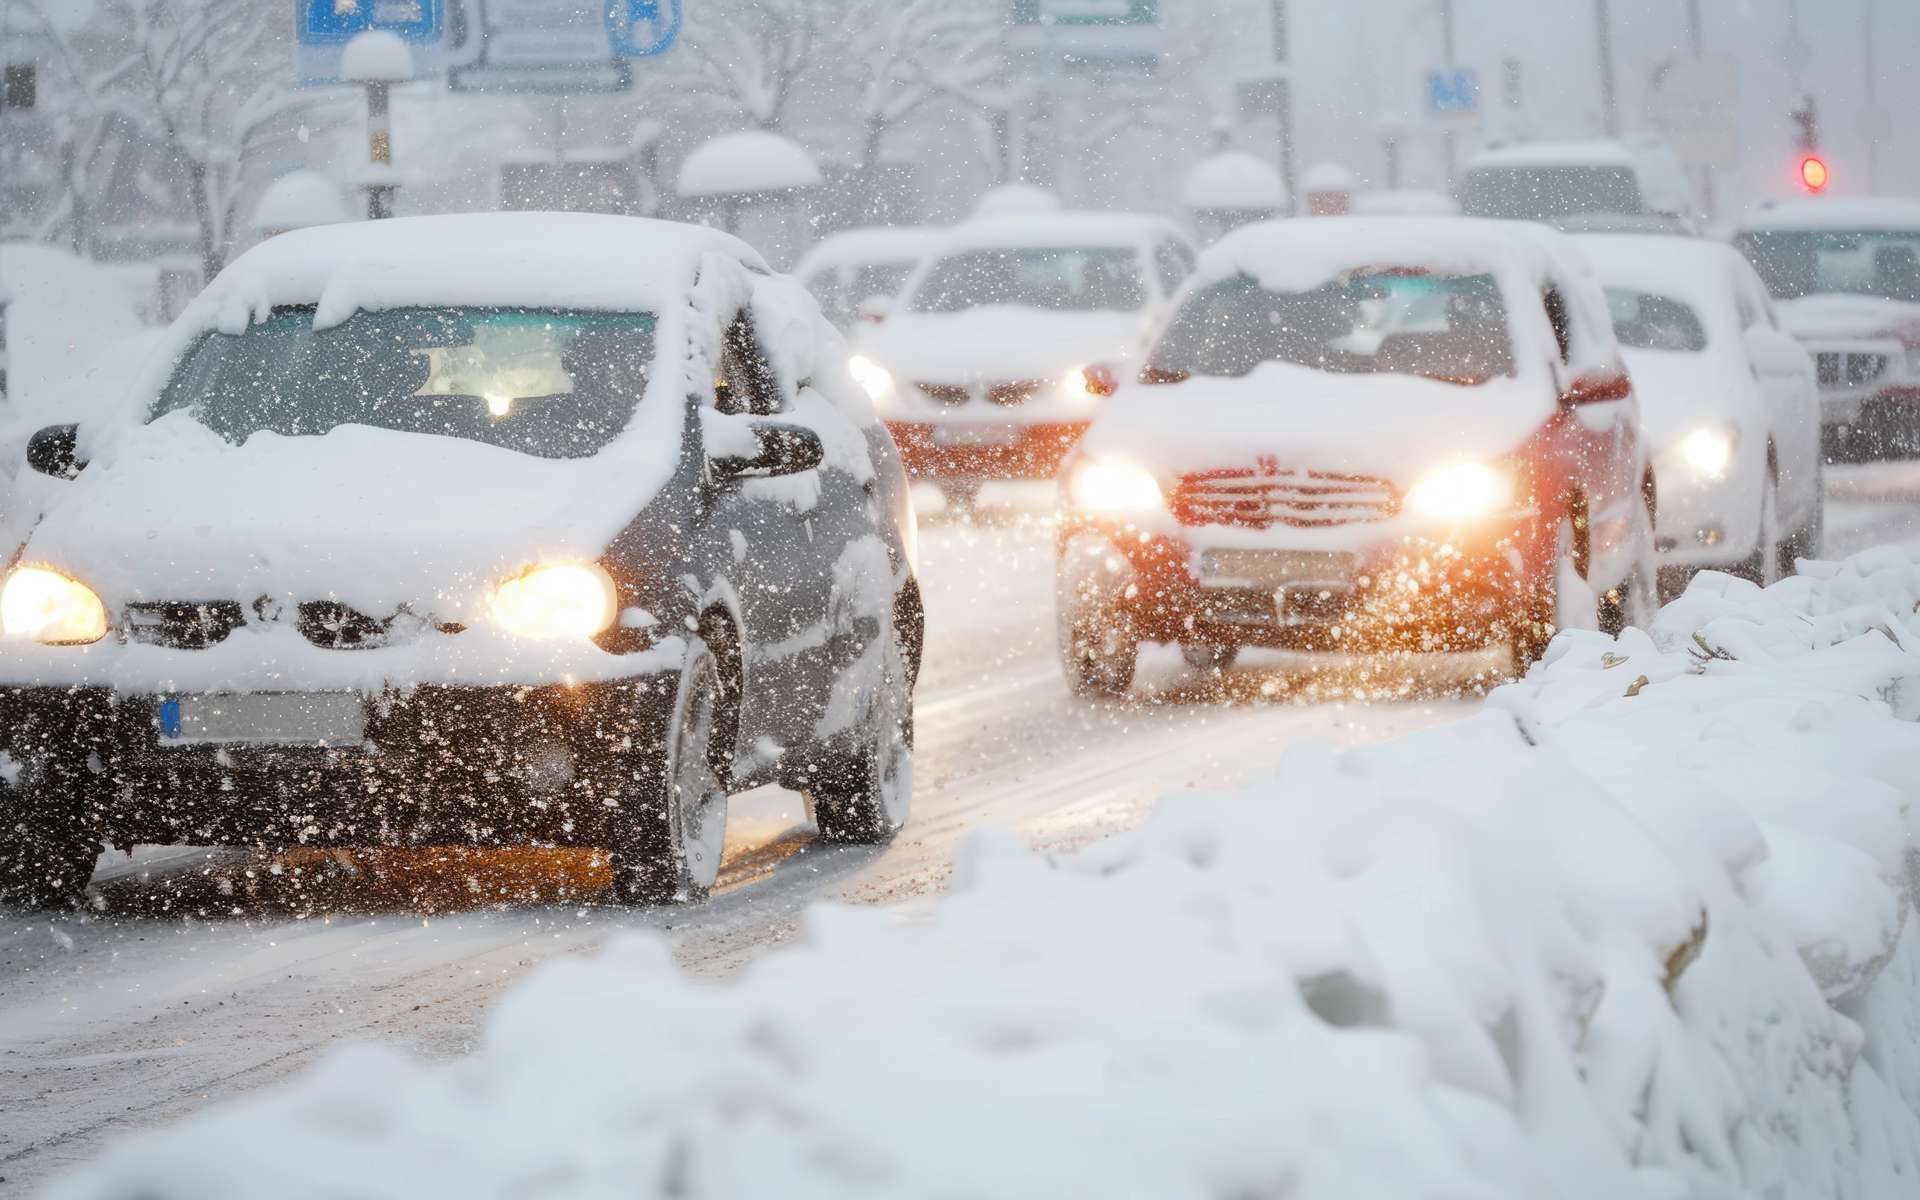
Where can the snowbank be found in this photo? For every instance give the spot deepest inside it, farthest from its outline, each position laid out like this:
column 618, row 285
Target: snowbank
column 1587, row 943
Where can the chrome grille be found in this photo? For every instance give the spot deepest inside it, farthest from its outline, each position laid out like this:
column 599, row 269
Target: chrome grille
column 947, row 393
column 1018, row 392
column 1849, row 369
column 1302, row 499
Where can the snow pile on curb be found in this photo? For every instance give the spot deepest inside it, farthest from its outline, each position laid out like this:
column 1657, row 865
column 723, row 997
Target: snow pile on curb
column 1641, row 928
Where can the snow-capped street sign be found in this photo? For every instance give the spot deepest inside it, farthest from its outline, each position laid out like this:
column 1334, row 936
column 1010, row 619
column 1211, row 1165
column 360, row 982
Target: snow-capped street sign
column 322, row 29
column 643, row 28
column 1049, row 32
column 563, row 46
column 1453, row 93
column 1086, row 12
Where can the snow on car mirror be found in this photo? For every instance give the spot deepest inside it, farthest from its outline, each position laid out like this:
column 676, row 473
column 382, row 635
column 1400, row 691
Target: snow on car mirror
column 777, row 448
column 1598, row 387
column 55, row 451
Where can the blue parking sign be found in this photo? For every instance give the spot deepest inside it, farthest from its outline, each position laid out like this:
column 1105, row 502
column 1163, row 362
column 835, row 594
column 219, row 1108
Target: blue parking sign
column 642, row 28
column 1453, row 93
column 335, row 22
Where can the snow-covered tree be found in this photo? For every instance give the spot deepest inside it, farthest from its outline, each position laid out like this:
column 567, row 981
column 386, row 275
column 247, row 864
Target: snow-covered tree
column 901, row 55
column 742, row 61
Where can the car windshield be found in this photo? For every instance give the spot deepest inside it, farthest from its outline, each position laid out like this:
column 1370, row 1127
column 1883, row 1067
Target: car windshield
column 545, row 383
column 1061, row 279
column 1861, row 262
column 1388, row 322
column 1544, row 193
column 1648, row 322
column 880, row 279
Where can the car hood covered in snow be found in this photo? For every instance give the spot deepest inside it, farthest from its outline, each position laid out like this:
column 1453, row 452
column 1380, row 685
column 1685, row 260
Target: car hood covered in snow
column 1846, row 316
column 1394, row 427
column 985, row 345
column 372, row 518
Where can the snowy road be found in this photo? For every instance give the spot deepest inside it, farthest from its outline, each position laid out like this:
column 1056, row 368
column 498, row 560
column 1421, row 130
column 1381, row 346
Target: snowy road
column 210, row 974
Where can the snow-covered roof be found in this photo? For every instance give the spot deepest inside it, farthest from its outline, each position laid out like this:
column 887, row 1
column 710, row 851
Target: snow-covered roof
column 1055, row 229
column 1297, row 256
column 557, row 260
column 1592, row 152
column 1235, row 181
column 1011, row 198
column 298, row 200
column 1876, row 213
column 1329, row 177
column 1683, row 267
column 1404, row 202
column 903, row 243
column 376, row 56
column 745, row 162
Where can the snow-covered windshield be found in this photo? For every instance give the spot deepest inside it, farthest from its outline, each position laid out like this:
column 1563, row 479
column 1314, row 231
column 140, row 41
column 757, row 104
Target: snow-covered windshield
column 1060, row 279
column 1389, row 322
column 1545, row 192
column 1645, row 321
column 546, row 383
column 1862, row 262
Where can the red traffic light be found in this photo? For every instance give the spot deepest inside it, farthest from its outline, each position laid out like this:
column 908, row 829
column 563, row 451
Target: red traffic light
column 1813, row 173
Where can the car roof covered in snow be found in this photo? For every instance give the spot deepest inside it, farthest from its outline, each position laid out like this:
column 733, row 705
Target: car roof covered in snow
column 900, row 243
column 1056, row 229
column 523, row 259
column 1815, row 215
column 1298, row 255
column 1692, row 269
column 1590, row 152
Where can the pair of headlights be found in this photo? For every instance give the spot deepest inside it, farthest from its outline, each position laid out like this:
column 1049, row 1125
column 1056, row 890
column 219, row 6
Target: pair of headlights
column 1461, row 492
column 548, row 603
column 878, row 382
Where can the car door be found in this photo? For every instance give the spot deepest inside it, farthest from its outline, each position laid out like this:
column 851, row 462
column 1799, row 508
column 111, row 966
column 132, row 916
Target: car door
column 1606, row 454
column 1783, row 372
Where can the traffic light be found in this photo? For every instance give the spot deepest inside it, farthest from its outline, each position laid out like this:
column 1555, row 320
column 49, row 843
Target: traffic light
column 1813, row 174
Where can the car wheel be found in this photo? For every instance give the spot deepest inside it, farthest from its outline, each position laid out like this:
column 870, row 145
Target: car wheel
column 48, row 842
column 1766, row 566
column 1634, row 601
column 673, row 843
column 1208, row 656
column 862, row 794
column 1562, row 600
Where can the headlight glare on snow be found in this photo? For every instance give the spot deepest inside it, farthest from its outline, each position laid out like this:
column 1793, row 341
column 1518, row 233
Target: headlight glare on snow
column 1708, row 452
column 1074, row 386
column 1462, row 492
column 870, row 375
column 49, row 607
column 1115, row 487
column 563, row 600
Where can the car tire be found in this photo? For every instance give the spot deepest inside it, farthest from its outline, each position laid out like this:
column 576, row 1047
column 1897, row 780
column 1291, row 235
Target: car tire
column 1556, row 602
column 675, row 804
column 1209, row 656
column 862, row 793
column 48, row 840
column 1100, row 652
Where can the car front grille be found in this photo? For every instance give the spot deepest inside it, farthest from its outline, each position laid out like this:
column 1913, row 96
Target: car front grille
column 947, row 393
column 1018, row 392
column 334, row 626
column 1301, row 499
column 184, row 625
column 1007, row 394
column 196, row 625
column 1851, row 369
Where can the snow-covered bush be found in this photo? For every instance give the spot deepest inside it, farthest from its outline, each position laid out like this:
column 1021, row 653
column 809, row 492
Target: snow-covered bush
column 1640, row 928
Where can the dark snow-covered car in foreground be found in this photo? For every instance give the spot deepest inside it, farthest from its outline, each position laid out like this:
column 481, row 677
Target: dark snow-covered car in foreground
column 505, row 528
column 1362, row 435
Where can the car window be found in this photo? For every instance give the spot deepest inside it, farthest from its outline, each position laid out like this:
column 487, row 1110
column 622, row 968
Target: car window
column 1173, row 263
column 1863, row 262
column 1542, row 193
column 746, row 384
column 1448, row 328
column 1644, row 321
column 1056, row 278
column 825, row 286
column 1561, row 321
column 878, row 279
column 552, row 384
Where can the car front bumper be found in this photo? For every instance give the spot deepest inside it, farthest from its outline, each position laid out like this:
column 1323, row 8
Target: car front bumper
column 984, row 450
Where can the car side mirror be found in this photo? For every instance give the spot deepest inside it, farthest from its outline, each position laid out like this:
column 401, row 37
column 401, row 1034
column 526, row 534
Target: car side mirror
column 55, row 451
column 1102, row 379
column 781, row 449
column 874, row 310
column 1601, row 386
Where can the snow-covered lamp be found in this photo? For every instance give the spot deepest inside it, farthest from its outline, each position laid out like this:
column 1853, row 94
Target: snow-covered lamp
column 753, row 183
column 1231, row 189
column 299, row 200
column 377, row 59
column 1012, row 198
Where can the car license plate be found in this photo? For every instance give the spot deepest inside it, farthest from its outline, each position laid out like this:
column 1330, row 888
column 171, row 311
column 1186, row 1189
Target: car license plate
column 975, row 435
column 263, row 719
column 1278, row 570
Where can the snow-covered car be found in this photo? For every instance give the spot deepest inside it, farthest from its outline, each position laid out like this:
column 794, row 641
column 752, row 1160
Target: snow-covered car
column 474, row 529
column 1362, row 434
column 1571, row 182
column 1845, row 276
column 978, row 370
column 848, row 270
column 1728, row 397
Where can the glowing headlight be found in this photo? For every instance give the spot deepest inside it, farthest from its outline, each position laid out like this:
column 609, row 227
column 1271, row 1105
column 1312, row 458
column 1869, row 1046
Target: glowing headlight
column 1708, row 452
column 49, row 607
column 1115, row 487
column 1073, row 386
column 567, row 600
column 870, row 375
column 1463, row 492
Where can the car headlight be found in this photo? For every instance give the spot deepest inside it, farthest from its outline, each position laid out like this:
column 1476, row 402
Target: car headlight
column 1073, row 387
column 1115, row 487
column 1462, row 492
column 871, row 376
column 1708, row 452
column 565, row 600
column 49, row 607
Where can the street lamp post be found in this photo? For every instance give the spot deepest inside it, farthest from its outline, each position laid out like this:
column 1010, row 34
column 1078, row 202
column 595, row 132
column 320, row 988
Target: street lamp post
column 378, row 59
column 1609, row 87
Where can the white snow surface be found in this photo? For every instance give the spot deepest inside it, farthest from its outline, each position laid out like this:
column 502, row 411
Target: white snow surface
column 1234, row 181
column 1594, row 941
column 376, row 56
column 745, row 162
column 1576, row 153
column 1835, row 213
column 1330, row 177
column 297, row 200
column 1404, row 202
column 1010, row 198
column 857, row 247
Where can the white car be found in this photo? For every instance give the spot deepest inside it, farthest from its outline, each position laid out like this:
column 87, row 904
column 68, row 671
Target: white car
column 1845, row 275
column 978, row 370
column 849, row 269
column 1569, row 183
column 1730, row 406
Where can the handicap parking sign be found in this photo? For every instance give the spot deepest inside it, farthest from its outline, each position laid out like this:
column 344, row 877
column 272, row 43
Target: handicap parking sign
column 1453, row 93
